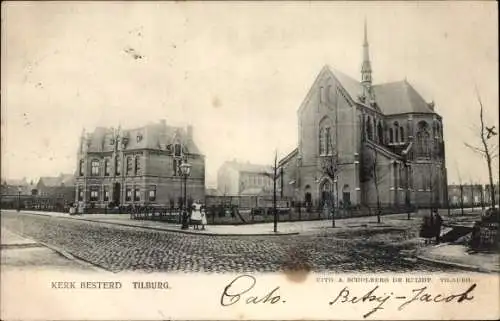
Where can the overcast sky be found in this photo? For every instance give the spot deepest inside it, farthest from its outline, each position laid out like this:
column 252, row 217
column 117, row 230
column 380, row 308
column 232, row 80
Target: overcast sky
column 236, row 71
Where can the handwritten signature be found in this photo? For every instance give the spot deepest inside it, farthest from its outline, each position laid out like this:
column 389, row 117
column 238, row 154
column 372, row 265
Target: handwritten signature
column 241, row 285
column 418, row 295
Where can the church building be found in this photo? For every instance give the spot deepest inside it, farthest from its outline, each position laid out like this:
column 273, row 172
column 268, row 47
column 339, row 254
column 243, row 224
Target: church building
column 362, row 144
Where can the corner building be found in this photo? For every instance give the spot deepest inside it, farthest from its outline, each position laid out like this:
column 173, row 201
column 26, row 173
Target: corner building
column 381, row 136
column 138, row 166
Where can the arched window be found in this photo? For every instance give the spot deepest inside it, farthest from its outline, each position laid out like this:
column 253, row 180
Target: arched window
column 391, row 135
column 402, row 133
column 325, row 137
column 369, row 128
column 137, row 165
column 423, row 139
column 322, row 142
column 94, row 167
column 396, row 132
column 380, row 133
column 321, row 94
column 438, row 130
column 328, row 139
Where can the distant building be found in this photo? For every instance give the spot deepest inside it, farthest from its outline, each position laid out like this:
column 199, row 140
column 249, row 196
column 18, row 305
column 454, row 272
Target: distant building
column 235, row 178
column 138, row 166
column 14, row 186
column 62, row 187
column 210, row 191
column 470, row 195
column 384, row 140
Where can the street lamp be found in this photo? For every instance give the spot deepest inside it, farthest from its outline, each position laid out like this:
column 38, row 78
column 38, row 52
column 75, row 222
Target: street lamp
column 19, row 198
column 185, row 168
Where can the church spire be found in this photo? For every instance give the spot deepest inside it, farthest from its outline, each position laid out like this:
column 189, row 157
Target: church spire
column 366, row 68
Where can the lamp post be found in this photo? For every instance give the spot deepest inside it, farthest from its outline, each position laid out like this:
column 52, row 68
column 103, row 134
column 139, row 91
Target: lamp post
column 19, row 198
column 185, row 171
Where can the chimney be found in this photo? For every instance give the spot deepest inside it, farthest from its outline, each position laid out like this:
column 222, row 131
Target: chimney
column 190, row 132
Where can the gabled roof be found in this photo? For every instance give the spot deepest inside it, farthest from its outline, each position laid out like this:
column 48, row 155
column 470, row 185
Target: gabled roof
column 212, row 192
column 288, row 157
column 392, row 98
column 351, row 85
column 150, row 136
column 400, row 97
column 61, row 180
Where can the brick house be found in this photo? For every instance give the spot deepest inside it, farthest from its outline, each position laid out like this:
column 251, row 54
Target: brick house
column 58, row 187
column 138, row 166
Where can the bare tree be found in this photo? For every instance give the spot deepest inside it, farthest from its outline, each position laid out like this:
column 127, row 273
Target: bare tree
column 488, row 148
column 461, row 190
column 371, row 172
column 330, row 167
column 276, row 174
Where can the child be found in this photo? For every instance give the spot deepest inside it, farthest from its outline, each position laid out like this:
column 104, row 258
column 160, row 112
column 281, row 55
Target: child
column 203, row 218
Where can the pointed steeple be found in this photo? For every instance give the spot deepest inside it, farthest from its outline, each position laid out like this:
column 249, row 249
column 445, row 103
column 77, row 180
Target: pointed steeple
column 366, row 68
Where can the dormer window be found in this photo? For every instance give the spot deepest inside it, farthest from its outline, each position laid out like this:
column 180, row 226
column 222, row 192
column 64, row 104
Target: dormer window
column 139, row 137
column 112, row 141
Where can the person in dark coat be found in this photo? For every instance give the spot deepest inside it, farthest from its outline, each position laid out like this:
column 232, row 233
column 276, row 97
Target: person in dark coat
column 438, row 222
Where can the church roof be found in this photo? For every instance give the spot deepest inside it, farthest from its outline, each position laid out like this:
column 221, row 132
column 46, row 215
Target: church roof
column 351, row 85
column 400, row 97
column 392, row 98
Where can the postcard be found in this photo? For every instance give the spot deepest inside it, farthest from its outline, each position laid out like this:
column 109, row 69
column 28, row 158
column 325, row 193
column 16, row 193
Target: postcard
column 249, row 160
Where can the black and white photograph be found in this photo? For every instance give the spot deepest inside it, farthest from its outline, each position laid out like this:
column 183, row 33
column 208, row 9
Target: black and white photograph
column 217, row 139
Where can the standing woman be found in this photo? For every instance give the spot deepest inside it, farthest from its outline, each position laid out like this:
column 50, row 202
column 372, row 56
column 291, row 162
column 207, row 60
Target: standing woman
column 196, row 215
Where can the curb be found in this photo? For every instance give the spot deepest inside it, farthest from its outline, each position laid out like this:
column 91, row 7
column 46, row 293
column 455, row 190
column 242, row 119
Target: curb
column 162, row 229
column 472, row 268
column 61, row 252
column 75, row 258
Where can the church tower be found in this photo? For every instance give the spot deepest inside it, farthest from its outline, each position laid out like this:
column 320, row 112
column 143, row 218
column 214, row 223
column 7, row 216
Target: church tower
column 366, row 71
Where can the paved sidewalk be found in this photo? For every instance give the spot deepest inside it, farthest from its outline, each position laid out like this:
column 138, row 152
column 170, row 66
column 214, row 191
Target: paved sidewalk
column 459, row 256
column 284, row 228
column 9, row 239
column 19, row 252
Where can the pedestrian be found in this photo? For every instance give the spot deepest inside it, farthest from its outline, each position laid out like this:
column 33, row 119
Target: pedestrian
column 196, row 215
column 203, row 217
column 438, row 222
column 426, row 230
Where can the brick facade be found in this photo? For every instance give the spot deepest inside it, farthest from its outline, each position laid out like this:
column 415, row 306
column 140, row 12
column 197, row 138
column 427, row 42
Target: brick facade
column 138, row 166
column 360, row 127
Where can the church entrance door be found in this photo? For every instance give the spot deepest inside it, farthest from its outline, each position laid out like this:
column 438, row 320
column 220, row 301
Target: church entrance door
column 326, row 193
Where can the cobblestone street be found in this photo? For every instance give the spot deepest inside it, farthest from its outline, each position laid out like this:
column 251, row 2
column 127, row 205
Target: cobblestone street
column 118, row 248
